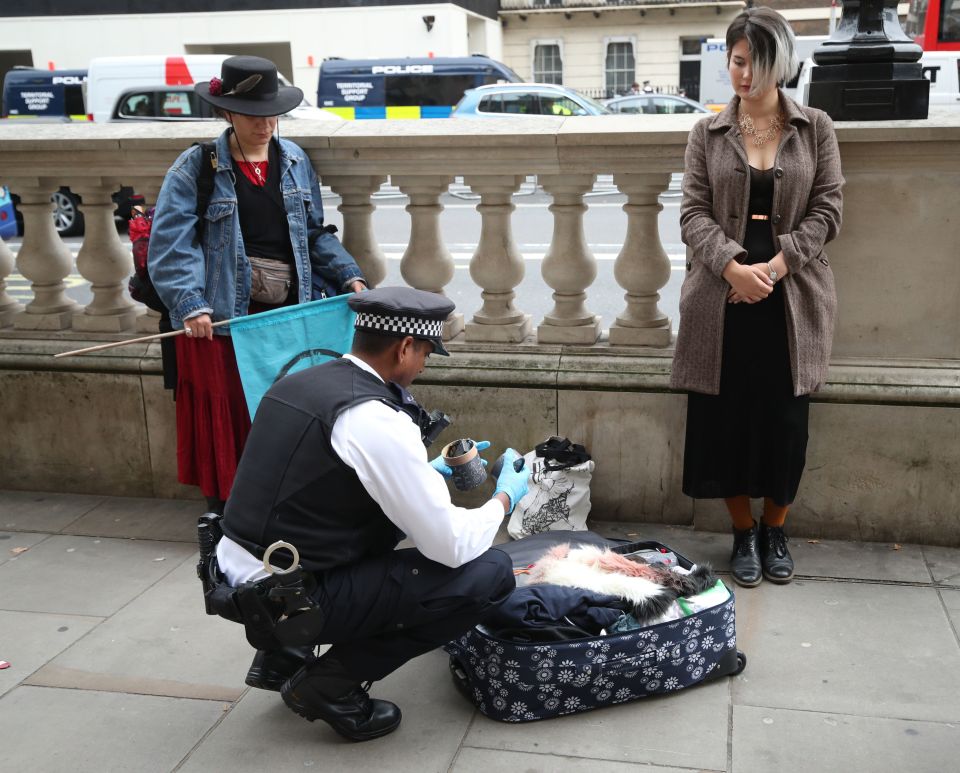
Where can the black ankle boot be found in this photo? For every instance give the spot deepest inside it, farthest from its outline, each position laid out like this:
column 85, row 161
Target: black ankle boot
column 215, row 505
column 774, row 555
column 324, row 690
column 745, row 558
column 271, row 668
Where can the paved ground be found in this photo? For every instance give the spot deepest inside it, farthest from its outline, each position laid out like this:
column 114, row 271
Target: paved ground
column 115, row 667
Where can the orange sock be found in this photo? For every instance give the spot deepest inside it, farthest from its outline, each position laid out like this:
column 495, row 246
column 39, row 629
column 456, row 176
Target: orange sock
column 774, row 515
column 739, row 508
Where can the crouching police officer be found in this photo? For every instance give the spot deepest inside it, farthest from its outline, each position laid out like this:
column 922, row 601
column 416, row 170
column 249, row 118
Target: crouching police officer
column 336, row 466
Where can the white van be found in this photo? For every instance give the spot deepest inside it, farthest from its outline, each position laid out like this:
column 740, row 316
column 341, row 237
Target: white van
column 160, row 88
column 941, row 68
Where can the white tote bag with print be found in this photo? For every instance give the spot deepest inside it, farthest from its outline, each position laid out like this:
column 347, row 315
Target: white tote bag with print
column 558, row 497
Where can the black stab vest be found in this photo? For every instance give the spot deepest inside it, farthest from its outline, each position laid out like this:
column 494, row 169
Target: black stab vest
column 292, row 486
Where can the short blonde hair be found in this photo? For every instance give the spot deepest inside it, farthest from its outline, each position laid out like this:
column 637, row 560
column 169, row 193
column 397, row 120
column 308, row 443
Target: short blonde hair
column 770, row 39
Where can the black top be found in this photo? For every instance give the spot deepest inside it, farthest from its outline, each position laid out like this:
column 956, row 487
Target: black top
column 751, row 438
column 263, row 219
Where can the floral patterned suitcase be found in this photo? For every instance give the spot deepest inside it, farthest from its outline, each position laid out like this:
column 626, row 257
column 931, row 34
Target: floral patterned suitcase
column 519, row 682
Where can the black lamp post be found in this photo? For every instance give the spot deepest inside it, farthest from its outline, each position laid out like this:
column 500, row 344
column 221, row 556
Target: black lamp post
column 869, row 69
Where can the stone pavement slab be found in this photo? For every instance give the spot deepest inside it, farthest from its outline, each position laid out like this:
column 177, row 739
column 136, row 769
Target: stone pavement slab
column 156, row 519
column 165, row 635
column 42, row 511
column 85, row 575
column 644, row 731
column 951, row 604
column 472, row 760
column 849, row 648
column 30, row 639
column 262, row 734
column 766, row 740
column 855, row 667
column 11, row 542
column 53, row 730
column 944, row 564
column 814, row 558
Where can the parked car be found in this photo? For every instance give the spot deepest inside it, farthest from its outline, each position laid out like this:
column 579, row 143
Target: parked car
column 654, row 104
column 9, row 227
column 525, row 99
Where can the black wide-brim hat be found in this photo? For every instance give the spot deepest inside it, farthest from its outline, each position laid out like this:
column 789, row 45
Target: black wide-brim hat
column 248, row 85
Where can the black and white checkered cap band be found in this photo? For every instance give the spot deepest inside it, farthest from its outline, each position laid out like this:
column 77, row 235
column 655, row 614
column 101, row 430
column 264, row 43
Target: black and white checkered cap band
column 403, row 326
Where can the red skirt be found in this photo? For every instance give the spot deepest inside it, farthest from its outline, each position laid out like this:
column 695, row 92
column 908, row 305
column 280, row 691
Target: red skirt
column 212, row 418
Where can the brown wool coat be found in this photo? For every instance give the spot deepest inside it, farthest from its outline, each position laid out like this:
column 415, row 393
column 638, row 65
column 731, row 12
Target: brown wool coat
column 806, row 210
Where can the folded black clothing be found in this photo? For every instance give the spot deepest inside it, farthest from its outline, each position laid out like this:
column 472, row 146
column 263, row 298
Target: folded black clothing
column 551, row 606
column 529, row 635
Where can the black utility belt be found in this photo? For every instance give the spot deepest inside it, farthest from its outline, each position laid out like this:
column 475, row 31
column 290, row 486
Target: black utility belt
column 278, row 607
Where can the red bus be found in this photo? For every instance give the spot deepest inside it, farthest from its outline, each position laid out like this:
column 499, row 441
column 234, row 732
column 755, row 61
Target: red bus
column 934, row 24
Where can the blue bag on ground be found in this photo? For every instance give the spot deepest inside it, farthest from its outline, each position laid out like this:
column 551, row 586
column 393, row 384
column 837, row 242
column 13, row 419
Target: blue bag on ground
column 274, row 343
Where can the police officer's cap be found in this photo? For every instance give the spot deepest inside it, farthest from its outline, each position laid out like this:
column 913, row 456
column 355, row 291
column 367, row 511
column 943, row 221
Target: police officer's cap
column 403, row 311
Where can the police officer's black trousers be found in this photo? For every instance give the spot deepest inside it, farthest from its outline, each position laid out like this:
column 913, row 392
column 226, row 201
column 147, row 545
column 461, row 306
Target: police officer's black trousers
column 383, row 611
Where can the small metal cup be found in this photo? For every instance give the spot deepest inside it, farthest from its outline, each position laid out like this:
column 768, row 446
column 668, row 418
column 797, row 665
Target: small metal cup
column 465, row 461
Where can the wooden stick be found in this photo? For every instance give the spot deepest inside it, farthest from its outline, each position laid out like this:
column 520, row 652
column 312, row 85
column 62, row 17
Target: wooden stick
column 142, row 339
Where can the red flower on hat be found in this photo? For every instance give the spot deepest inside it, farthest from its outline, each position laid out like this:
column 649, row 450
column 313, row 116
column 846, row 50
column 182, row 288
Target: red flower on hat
column 216, row 87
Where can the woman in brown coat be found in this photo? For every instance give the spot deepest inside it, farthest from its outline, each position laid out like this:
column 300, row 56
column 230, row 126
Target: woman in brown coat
column 761, row 197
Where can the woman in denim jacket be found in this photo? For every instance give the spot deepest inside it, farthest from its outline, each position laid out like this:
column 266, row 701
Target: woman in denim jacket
column 262, row 245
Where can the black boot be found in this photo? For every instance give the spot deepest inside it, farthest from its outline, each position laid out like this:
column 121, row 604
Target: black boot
column 271, row 668
column 324, row 690
column 215, row 505
column 745, row 558
column 774, row 555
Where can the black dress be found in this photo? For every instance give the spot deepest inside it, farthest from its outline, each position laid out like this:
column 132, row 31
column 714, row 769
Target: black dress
column 751, row 438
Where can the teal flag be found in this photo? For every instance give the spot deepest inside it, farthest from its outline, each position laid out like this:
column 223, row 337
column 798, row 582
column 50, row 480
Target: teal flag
column 274, row 343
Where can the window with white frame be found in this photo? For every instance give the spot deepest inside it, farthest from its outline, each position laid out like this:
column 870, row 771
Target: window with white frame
column 547, row 62
column 620, row 67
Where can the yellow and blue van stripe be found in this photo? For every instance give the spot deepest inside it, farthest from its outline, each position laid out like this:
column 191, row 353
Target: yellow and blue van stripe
column 400, row 112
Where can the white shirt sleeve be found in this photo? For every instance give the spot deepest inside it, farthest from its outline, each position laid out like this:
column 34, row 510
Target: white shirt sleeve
column 383, row 446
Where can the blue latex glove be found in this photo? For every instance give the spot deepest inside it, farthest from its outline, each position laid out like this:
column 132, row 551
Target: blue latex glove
column 444, row 469
column 511, row 482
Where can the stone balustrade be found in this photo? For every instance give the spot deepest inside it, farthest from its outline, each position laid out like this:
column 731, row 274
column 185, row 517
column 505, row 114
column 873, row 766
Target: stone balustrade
column 896, row 355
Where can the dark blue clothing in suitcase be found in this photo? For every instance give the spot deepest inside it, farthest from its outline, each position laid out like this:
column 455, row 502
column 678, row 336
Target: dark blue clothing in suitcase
column 517, row 682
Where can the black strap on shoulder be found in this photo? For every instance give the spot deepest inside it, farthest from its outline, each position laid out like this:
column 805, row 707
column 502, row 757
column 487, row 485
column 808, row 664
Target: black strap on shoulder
column 208, row 169
column 560, row 454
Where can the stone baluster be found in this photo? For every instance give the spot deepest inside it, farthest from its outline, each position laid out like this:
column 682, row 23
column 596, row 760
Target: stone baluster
column 427, row 263
column 497, row 265
column 43, row 259
column 568, row 267
column 357, row 208
column 8, row 306
column 148, row 320
column 104, row 262
column 642, row 267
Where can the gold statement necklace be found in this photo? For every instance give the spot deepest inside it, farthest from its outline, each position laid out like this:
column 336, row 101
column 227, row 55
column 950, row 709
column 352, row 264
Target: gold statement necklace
column 760, row 137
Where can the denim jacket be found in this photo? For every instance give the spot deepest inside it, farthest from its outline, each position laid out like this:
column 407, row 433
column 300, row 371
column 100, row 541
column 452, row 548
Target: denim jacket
column 217, row 280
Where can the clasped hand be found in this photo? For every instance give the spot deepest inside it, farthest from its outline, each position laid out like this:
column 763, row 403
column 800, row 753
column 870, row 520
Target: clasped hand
column 748, row 284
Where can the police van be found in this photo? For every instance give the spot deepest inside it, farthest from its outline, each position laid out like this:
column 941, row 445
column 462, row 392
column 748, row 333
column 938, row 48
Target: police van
column 54, row 95
column 404, row 88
